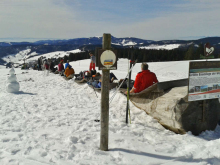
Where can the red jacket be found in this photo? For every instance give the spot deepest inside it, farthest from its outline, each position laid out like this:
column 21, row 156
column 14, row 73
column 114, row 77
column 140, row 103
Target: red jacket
column 143, row 80
column 60, row 67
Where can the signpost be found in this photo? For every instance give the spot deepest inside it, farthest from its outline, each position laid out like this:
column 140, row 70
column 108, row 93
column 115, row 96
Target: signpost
column 107, row 61
column 204, row 79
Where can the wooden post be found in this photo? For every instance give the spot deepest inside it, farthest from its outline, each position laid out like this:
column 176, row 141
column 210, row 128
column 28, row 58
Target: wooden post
column 203, row 110
column 106, row 44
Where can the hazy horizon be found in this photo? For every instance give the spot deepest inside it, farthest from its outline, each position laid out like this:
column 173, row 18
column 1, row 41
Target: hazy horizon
column 41, row 39
column 151, row 20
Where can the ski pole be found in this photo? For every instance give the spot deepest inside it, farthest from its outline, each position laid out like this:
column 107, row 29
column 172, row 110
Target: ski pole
column 120, row 85
column 128, row 85
column 94, row 88
column 94, row 91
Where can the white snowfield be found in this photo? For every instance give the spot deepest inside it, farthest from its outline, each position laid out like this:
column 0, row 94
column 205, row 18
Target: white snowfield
column 51, row 122
column 159, row 47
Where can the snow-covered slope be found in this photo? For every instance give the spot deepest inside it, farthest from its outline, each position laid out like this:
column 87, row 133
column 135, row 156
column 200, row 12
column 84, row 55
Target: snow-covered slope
column 17, row 57
column 158, row 47
column 51, row 121
column 25, row 54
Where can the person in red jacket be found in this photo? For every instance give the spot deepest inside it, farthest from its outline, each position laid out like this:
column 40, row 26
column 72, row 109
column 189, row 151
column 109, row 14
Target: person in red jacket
column 144, row 79
column 61, row 67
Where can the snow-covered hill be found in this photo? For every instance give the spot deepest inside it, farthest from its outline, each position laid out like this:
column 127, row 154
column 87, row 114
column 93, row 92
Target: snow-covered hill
column 29, row 57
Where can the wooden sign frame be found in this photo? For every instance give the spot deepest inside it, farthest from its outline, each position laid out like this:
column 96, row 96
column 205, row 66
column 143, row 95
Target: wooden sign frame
column 101, row 66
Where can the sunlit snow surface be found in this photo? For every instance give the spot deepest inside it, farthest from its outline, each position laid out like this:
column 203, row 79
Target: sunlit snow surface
column 25, row 54
column 51, row 121
column 158, row 47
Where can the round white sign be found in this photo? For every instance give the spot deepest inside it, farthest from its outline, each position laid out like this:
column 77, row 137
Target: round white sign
column 108, row 58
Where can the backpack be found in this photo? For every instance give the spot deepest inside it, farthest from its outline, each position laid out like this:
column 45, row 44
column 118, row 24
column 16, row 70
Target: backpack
column 93, row 72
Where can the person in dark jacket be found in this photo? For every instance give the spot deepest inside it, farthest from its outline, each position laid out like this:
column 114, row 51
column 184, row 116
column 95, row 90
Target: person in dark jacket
column 39, row 64
column 143, row 80
column 52, row 66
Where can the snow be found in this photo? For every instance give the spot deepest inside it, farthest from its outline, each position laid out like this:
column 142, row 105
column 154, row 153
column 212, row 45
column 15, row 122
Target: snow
column 158, row 47
column 98, row 37
column 30, row 57
column 127, row 43
column 116, row 44
column 51, row 121
column 74, row 51
column 17, row 58
column 130, row 43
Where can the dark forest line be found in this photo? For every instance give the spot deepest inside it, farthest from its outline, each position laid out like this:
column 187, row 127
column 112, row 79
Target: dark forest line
column 148, row 55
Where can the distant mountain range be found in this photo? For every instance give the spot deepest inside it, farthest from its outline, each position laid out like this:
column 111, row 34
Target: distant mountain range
column 46, row 46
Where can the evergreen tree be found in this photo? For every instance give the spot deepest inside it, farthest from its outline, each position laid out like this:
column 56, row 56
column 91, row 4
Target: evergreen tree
column 189, row 54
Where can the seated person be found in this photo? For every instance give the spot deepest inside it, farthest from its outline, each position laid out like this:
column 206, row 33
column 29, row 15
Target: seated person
column 67, row 64
column 112, row 77
column 93, row 72
column 99, row 85
column 93, row 83
column 69, row 72
column 97, row 76
column 143, row 80
column 87, row 74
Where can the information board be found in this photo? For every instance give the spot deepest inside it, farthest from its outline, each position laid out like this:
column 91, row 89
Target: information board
column 204, row 80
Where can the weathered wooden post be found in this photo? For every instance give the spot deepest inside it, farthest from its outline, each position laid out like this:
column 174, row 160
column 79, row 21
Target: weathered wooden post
column 106, row 44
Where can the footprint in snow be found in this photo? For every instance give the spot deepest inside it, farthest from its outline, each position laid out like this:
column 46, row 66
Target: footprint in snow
column 5, row 140
column 15, row 151
column 43, row 154
column 73, row 139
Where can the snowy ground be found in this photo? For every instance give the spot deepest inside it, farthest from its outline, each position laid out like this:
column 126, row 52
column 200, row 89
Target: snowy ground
column 51, row 122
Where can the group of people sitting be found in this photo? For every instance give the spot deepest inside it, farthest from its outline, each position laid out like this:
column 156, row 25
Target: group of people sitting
column 66, row 70
column 46, row 64
column 143, row 80
column 96, row 80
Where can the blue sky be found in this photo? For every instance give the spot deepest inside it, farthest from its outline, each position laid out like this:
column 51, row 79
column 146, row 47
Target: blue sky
column 29, row 20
